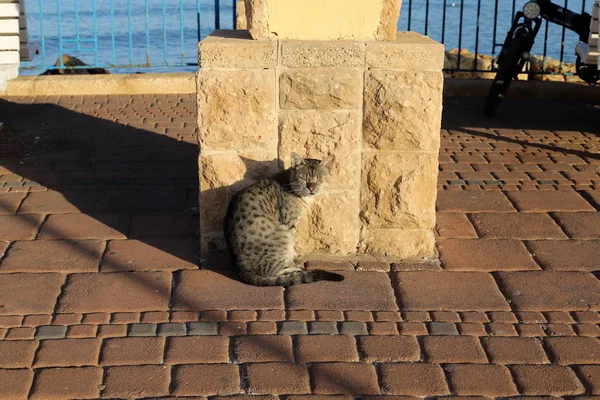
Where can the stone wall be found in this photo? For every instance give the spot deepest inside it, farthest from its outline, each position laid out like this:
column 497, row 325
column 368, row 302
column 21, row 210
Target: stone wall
column 376, row 105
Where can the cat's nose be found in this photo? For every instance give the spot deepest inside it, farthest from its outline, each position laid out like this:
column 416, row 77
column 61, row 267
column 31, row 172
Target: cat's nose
column 311, row 186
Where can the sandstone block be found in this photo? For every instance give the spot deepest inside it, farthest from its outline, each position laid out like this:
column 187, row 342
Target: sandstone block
column 221, row 176
column 241, row 22
column 331, row 225
column 236, row 49
column 398, row 190
column 399, row 243
column 316, row 134
column 333, row 53
column 354, row 19
column 402, row 110
column 410, row 51
column 236, row 109
column 388, row 20
column 322, row 88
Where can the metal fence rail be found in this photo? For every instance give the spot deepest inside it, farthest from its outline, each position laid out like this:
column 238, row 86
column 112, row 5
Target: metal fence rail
column 128, row 35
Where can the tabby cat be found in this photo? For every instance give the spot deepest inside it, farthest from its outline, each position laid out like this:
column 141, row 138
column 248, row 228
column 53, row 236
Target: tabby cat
column 260, row 225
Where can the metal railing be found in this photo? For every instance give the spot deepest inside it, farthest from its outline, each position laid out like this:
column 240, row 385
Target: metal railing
column 130, row 35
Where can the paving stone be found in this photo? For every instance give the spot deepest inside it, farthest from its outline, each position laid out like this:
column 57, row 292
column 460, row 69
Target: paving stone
column 51, row 332
column 552, row 380
column 485, row 255
column 277, row 378
column 558, row 330
column 15, row 383
column 263, row 348
column 132, row 350
column 49, row 202
column 574, row 350
column 590, row 317
column 353, row 328
column 532, row 200
column 96, row 318
column 481, row 380
column 20, row 334
column 516, row 226
column 3, row 247
column 474, row 316
column 124, row 318
column 344, row 378
column 126, row 291
column 197, row 350
column 17, row 354
column 84, row 226
column 382, row 328
column 579, row 225
column 501, row 329
column 416, row 316
column 412, row 328
column 66, row 256
column 142, row 330
column 66, row 319
column 70, row 383
column 389, row 348
column 136, row 381
column 184, row 316
column 218, row 316
column 166, row 224
column 150, row 255
column 559, row 317
column 208, row 290
column 453, row 349
column 9, row 202
column 590, row 376
column 154, row 317
column 358, row 291
column 587, row 330
column 567, row 255
column 202, row 328
column 515, row 350
column 442, row 329
column 531, row 330
column 387, row 316
column 19, row 227
column 503, row 316
column 242, row 316
column 67, row 353
column 472, row 329
column 454, row 225
column 459, row 201
column 300, row 315
column 416, row 379
column 233, row 328
column 360, row 316
column 322, row 328
column 530, row 317
column 82, row 331
column 329, row 315
column 323, row 348
column 172, row 329
column 445, row 316
column 450, row 291
column 262, row 328
column 29, row 293
column 293, row 328
column 274, row 315
column 557, row 291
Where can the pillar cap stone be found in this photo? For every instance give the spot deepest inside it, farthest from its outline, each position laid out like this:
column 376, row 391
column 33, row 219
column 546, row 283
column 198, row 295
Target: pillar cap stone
column 323, row 19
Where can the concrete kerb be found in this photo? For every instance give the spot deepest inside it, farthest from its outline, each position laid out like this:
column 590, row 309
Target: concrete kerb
column 184, row 83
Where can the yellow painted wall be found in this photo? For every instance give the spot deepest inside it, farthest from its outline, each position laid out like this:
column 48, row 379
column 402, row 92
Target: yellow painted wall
column 324, row 19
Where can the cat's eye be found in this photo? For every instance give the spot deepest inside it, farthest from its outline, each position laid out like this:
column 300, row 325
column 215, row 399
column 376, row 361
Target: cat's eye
column 303, row 178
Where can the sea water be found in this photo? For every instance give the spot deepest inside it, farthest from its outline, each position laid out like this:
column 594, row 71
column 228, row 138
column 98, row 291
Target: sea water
column 164, row 34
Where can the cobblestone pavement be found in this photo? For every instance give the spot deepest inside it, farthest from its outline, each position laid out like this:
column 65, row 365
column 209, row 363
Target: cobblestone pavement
column 100, row 294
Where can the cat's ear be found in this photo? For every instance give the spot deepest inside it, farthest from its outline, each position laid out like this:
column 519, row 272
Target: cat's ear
column 296, row 160
column 327, row 162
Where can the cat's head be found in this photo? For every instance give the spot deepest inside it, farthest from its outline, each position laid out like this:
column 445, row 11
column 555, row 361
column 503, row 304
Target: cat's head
column 310, row 177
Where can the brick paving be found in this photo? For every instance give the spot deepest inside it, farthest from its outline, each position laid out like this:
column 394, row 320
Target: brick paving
column 102, row 295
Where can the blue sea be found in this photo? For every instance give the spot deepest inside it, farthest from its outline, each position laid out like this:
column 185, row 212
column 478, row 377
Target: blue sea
column 163, row 34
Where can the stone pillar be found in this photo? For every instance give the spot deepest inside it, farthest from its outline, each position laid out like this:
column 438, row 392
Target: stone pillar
column 376, row 105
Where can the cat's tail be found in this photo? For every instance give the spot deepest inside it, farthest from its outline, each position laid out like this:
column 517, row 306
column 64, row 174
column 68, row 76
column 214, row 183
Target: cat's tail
column 291, row 279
